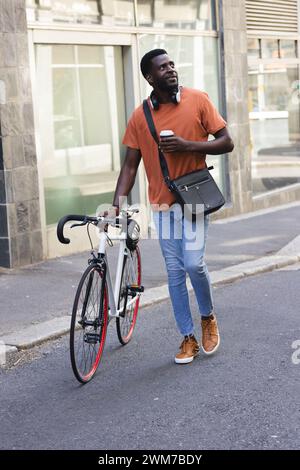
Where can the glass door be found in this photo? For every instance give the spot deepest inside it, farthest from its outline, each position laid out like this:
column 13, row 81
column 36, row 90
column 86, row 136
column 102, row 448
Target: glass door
column 81, row 120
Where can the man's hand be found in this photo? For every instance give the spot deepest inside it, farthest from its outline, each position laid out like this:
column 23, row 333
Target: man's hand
column 221, row 144
column 173, row 144
column 110, row 213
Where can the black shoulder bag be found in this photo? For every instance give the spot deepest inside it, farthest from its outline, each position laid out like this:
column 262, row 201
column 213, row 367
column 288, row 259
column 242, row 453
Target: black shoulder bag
column 196, row 191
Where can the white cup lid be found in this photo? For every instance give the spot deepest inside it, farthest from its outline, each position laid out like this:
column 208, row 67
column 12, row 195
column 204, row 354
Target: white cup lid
column 166, row 133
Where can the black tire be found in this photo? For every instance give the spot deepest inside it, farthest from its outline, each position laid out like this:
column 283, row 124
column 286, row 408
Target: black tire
column 89, row 323
column 126, row 324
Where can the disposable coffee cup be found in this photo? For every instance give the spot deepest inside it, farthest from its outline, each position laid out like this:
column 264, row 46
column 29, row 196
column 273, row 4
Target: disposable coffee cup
column 166, row 133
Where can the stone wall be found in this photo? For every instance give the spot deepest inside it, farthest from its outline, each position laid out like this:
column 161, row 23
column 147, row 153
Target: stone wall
column 20, row 229
column 236, row 89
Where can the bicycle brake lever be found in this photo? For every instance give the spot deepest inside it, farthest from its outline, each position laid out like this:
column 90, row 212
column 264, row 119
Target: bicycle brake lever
column 79, row 225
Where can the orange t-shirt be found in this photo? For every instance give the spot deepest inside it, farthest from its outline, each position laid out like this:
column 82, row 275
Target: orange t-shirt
column 194, row 118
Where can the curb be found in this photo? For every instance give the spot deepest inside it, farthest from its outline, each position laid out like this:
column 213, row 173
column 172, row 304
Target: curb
column 57, row 327
column 7, row 353
column 226, row 276
column 36, row 334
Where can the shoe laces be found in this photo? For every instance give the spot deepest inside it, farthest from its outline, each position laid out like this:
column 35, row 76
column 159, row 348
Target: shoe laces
column 185, row 341
column 208, row 327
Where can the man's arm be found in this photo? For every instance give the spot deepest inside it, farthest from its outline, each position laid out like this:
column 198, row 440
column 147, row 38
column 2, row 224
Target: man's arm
column 221, row 144
column 127, row 175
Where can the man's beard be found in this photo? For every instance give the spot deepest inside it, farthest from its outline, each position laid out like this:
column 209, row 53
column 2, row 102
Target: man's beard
column 163, row 86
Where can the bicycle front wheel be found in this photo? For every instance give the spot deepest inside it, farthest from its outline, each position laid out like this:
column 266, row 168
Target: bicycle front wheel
column 131, row 276
column 89, row 323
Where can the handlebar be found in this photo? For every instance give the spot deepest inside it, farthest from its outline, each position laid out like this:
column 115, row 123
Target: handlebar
column 67, row 218
column 87, row 219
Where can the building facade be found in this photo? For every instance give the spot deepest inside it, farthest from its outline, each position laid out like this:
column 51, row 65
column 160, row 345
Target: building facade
column 70, row 79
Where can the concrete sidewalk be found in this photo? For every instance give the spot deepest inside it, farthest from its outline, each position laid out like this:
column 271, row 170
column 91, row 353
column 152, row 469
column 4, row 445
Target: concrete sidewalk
column 36, row 301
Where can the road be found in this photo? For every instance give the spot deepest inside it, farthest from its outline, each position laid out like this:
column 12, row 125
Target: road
column 244, row 397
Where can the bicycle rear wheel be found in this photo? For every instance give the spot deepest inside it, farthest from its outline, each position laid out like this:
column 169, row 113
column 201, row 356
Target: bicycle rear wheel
column 89, row 323
column 126, row 323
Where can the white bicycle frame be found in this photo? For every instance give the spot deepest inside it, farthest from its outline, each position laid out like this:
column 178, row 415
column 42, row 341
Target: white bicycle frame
column 114, row 293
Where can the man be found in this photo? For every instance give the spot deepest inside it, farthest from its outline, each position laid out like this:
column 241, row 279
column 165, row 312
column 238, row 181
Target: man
column 192, row 117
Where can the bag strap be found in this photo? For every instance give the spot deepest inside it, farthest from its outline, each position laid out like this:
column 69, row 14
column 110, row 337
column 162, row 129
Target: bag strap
column 162, row 160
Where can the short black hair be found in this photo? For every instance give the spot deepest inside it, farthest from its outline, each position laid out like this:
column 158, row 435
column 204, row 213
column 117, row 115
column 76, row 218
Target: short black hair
column 147, row 58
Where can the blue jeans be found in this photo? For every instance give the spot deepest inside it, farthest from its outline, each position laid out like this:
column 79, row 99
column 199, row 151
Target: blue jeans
column 182, row 243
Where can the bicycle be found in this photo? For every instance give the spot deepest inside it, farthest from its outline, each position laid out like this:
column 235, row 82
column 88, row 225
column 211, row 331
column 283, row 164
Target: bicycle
column 96, row 302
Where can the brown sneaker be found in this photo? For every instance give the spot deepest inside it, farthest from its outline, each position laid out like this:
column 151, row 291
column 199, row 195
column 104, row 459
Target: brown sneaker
column 189, row 349
column 210, row 335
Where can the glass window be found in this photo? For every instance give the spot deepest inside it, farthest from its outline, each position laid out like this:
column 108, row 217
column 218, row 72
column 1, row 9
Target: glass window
column 81, row 117
column 270, row 48
column 254, row 48
column 106, row 12
column 288, row 48
column 63, row 55
column 90, row 55
column 274, row 101
column 186, row 14
column 197, row 65
column 66, row 117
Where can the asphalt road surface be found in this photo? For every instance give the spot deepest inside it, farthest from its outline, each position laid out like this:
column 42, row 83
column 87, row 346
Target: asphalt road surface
column 244, row 397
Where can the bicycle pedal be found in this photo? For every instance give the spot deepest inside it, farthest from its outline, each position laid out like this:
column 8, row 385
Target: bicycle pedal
column 133, row 288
